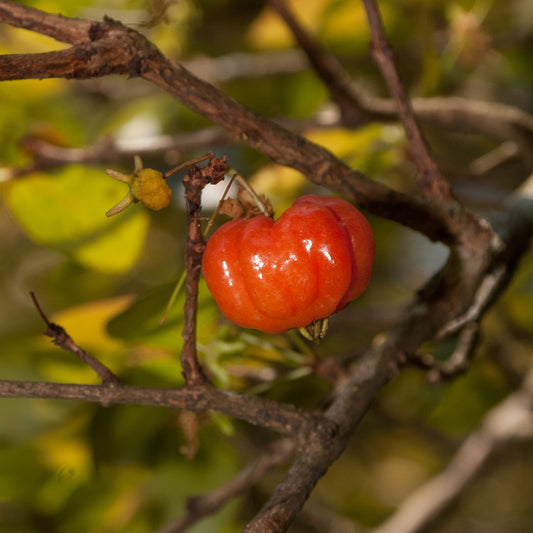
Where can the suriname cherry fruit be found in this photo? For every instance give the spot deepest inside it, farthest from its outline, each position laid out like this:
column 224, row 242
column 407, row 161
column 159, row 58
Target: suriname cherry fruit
column 277, row 275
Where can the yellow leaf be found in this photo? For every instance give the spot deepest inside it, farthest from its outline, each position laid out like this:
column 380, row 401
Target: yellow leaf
column 66, row 210
column 86, row 323
column 269, row 31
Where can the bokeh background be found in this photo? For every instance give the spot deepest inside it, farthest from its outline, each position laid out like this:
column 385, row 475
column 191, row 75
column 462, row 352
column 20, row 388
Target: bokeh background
column 68, row 466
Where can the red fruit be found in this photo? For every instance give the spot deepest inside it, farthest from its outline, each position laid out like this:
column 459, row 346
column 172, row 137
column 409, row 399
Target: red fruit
column 307, row 265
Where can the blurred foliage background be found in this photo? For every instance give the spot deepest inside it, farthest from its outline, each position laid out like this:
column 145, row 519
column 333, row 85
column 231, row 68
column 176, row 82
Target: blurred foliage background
column 66, row 466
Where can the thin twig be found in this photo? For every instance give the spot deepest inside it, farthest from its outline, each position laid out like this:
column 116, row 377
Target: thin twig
column 487, row 290
column 509, row 420
column 194, row 183
column 331, row 72
column 225, row 192
column 492, row 119
column 499, row 156
column 201, row 506
column 181, row 281
column 282, row 418
column 189, row 163
column 459, row 361
column 430, row 179
column 62, row 339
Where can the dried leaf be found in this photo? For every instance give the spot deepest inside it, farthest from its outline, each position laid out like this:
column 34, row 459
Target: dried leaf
column 249, row 204
column 231, row 208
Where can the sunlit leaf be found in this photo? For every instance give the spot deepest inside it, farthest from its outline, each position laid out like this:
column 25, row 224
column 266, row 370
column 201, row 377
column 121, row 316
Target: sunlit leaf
column 86, row 323
column 346, row 21
column 280, row 184
column 66, row 211
column 69, row 460
column 269, row 31
column 141, row 321
column 223, row 423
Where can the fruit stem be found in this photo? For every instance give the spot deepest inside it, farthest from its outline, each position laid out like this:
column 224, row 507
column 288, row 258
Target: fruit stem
column 222, row 198
column 181, row 281
column 246, row 186
column 188, row 163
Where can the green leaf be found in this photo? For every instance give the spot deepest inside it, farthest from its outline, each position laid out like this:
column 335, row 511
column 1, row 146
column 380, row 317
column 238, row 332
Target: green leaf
column 141, row 321
column 66, row 211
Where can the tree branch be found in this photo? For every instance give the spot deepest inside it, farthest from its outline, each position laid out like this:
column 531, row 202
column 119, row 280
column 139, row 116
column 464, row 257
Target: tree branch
column 201, row 506
column 508, row 421
column 330, row 71
column 56, row 26
column 62, row 339
column 357, row 107
column 430, row 179
column 108, row 150
column 281, row 418
column 194, row 183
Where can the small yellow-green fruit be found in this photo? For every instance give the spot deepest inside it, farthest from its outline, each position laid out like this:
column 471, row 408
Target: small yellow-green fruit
column 146, row 185
column 149, row 187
